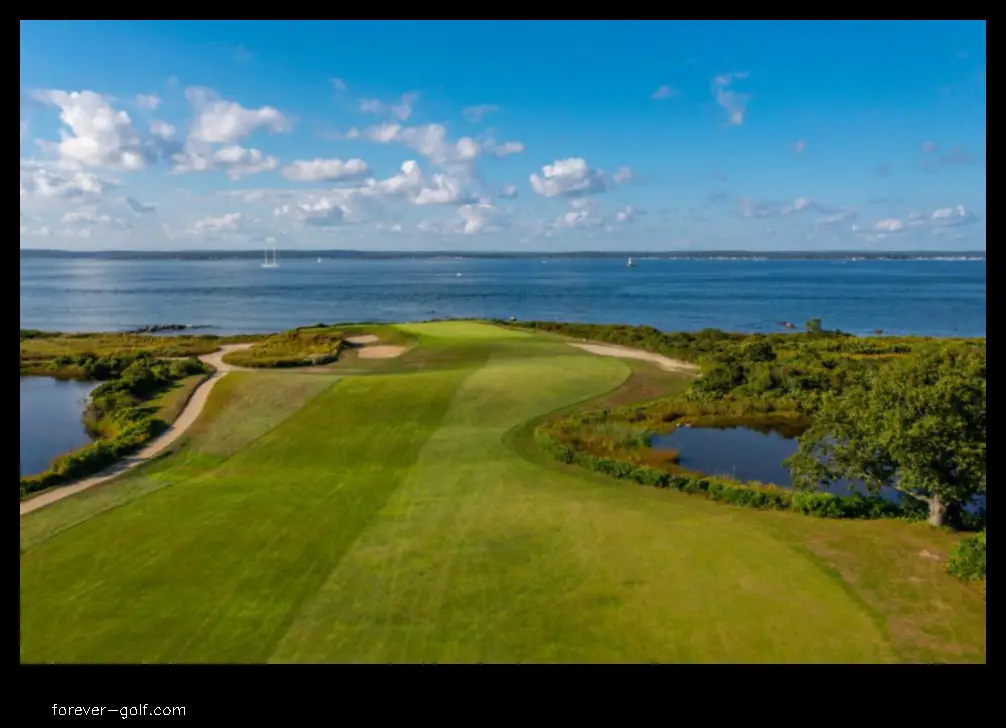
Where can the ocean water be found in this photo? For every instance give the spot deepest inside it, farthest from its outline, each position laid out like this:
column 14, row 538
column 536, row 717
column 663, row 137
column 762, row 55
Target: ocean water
column 921, row 297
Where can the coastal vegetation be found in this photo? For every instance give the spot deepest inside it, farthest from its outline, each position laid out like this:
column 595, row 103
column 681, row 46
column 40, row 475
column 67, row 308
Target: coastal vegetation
column 90, row 356
column 301, row 348
column 412, row 517
column 854, row 403
column 134, row 403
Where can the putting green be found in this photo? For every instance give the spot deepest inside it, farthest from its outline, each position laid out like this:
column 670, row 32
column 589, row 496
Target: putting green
column 390, row 519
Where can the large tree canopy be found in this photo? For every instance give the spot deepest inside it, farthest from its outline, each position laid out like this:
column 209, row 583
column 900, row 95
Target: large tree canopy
column 917, row 425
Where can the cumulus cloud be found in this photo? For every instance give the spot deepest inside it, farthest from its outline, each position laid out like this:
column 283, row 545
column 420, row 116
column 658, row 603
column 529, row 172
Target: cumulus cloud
column 218, row 121
column 235, row 161
column 96, row 134
column 623, row 176
column 475, row 114
column 402, row 109
column 953, row 216
column 890, row 225
column 626, row 214
column 231, row 222
column 325, row 170
column 430, row 141
column 568, row 178
column 582, row 213
column 481, row 217
column 148, row 102
column 733, row 103
column 53, row 183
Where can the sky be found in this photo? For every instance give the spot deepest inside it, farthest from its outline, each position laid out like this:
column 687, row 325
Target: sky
column 503, row 135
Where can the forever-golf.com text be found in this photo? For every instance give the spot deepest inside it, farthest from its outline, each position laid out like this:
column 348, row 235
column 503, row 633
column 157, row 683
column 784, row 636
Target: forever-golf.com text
column 130, row 711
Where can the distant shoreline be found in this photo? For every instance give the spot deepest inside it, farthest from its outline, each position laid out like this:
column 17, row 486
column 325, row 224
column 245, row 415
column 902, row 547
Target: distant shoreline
column 218, row 255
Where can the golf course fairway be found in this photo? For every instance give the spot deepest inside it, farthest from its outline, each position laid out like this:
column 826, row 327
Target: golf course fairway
column 405, row 515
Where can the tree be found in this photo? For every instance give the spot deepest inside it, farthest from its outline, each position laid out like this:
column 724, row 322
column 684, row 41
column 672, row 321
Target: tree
column 814, row 326
column 916, row 425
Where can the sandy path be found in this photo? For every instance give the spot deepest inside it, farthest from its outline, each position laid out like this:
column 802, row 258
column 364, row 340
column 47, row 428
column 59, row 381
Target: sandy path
column 665, row 363
column 192, row 410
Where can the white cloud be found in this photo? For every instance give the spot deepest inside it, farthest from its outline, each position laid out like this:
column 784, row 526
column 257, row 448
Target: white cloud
column 430, row 141
column 480, row 218
column 505, row 149
column 475, row 114
column 339, row 85
column 402, row 110
column 93, row 219
column 890, row 225
column 443, row 190
column 733, row 103
column 97, row 134
column 582, row 214
column 52, row 182
column 325, row 170
column 230, row 222
column 235, row 161
column 162, row 130
column 568, row 178
column 664, row 92
column 25, row 130
column 148, row 102
column 800, row 147
column 622, row 176
column 508, row 192
column 218, row 121
column 626, row 214
column 953, row 216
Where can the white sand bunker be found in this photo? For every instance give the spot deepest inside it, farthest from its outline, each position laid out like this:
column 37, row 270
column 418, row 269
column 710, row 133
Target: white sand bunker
column 381, row 352
column 665, row 363
column 362, row 340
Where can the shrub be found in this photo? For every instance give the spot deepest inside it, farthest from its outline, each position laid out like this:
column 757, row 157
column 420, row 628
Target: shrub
column 291, row 349
column 968, row 560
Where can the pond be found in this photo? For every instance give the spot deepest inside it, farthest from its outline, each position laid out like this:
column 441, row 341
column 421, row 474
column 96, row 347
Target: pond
column 752, row 453
column 743, row 453
column 51, row 420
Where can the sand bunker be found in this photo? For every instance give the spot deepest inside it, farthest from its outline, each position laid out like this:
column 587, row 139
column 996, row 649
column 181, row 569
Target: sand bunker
column 665, row 363
column 381, row 352
column 362, row 340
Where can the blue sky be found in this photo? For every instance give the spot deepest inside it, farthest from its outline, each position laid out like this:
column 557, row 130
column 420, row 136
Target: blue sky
column 503, row 135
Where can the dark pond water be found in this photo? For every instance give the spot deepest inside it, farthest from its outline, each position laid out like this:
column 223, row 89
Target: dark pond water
column 752, row 454
column 51, row 420
column 742, row 453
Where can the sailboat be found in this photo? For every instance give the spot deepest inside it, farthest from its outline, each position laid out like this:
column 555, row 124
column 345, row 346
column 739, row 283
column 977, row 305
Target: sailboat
column 631, row 263
column 270, row 262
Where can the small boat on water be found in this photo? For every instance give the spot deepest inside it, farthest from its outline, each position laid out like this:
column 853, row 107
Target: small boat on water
column 631, row 263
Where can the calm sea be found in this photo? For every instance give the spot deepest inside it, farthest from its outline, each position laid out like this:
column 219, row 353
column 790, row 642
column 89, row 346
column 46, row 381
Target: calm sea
column 924, row 297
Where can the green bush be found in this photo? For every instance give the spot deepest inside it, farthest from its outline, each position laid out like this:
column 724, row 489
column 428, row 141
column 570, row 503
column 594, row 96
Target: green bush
column 968, row 560
column 290, row 349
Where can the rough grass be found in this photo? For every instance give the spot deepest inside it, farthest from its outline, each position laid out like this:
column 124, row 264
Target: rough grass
column 168, row 405
column 410, row 518
column 290, row 349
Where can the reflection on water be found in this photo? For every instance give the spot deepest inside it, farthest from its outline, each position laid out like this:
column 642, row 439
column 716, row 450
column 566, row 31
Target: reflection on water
column 744, row 453
column 51, row 420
